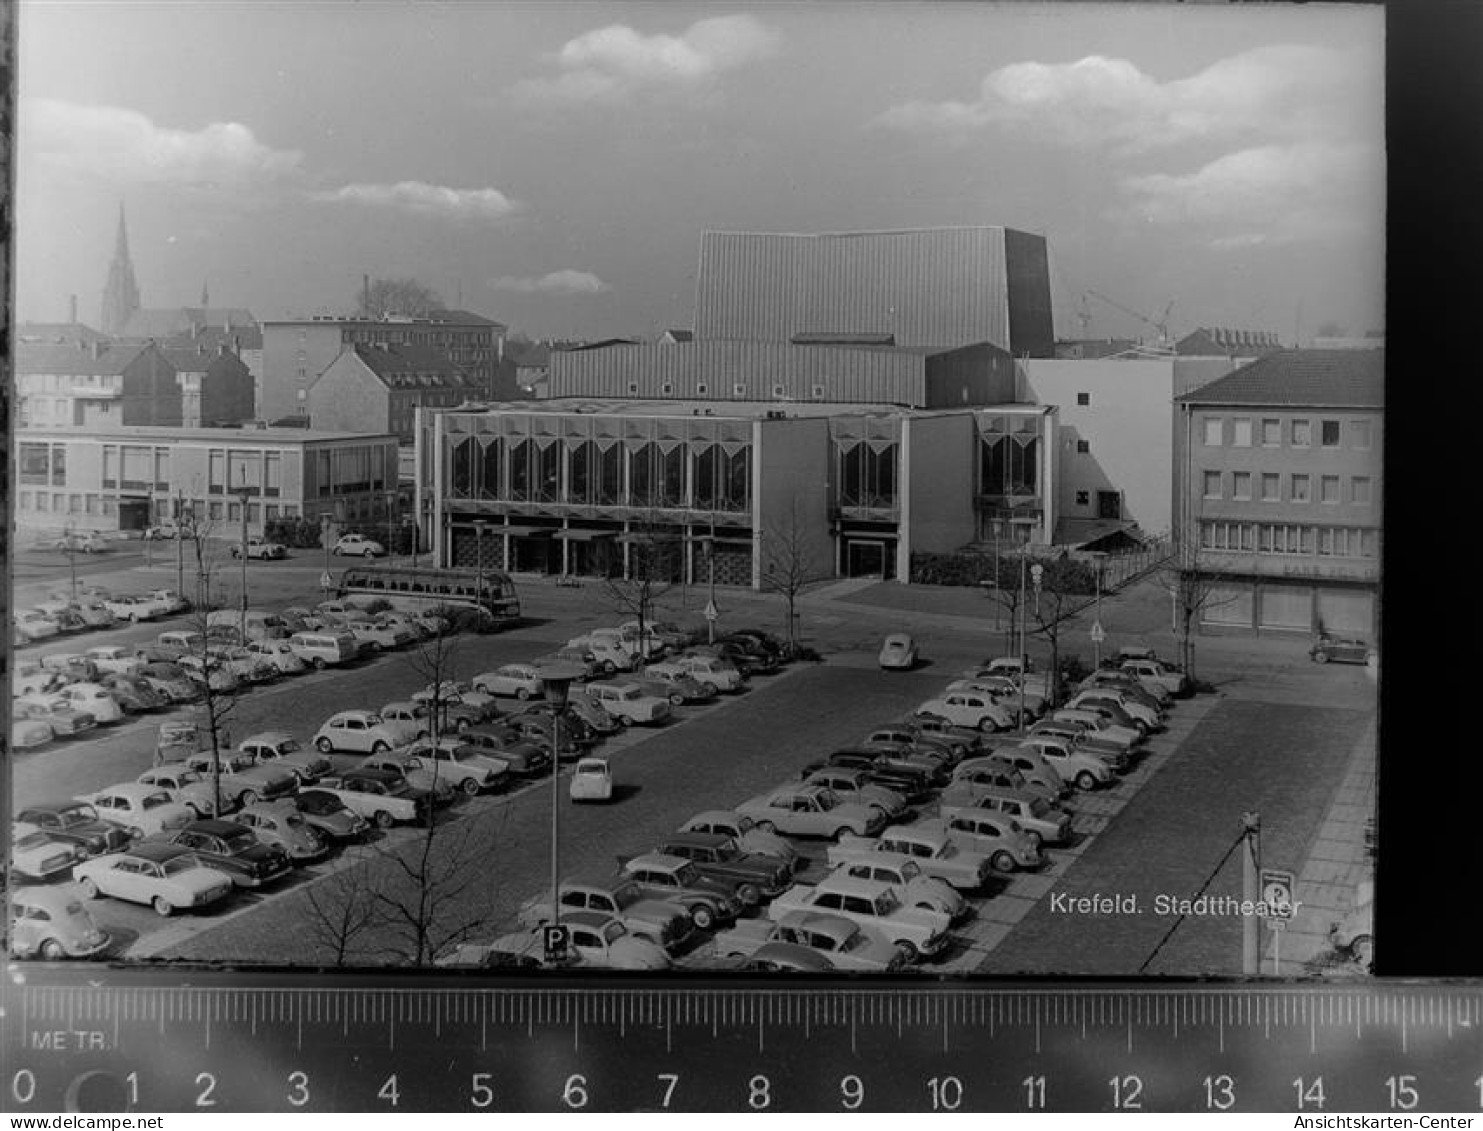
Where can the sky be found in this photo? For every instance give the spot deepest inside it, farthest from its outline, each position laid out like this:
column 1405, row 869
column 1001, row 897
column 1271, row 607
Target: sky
column 552, row 165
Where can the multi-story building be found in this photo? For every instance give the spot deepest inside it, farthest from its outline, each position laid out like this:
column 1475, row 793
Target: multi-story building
column 131, row 478
column 96, row 387
column 1278, row 484
column 297, row 350
column 380, row 388
column 215, row 385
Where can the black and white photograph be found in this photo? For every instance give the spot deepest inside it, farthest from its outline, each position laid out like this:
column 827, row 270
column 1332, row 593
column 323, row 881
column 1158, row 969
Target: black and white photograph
column 861, row 491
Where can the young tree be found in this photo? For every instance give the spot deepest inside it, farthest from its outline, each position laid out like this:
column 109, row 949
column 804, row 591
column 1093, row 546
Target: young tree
column 397, row 296
column 1055, row 603
column 1193, row 586
column 344, row 908
column 654, row 562
column 791, row 565
column 219, row 686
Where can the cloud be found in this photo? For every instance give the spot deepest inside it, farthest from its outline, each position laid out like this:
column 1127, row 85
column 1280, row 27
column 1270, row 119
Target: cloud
column 565, row 282
column 1278, row 91
column 423, row 199
column 1267, row 195
column 614, row 63
column 126, row 147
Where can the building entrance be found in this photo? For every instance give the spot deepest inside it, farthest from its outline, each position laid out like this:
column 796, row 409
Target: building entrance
column 869, row 558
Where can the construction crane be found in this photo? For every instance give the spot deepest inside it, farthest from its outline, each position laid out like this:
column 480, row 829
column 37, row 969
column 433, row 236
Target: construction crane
column 1160, row 324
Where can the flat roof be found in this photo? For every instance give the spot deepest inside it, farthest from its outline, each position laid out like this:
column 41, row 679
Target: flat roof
column 732, row 410
column 194, row 435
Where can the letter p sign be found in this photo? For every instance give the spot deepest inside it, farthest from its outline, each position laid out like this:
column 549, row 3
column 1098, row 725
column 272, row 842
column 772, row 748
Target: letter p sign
column 555, row 938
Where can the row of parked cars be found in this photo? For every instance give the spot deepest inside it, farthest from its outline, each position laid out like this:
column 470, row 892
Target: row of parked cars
column 918, row 817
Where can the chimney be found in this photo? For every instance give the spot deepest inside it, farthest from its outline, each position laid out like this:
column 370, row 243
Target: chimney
column 97, row 350
column 72, row 309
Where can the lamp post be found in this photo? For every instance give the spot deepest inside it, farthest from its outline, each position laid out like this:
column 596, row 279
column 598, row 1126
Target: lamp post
column 1097, row 618
column 556, row 682
column 180, row 516
column 479, row 525
column 711, row 612
column 243, row 493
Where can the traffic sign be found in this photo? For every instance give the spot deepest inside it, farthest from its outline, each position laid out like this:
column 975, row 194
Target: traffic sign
column 1097, row 634
column 555, row 937
column 1277, row 897
column 711, row 612
column 326, row 581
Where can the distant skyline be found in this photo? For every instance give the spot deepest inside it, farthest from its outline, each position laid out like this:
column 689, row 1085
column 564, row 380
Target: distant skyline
column 552, row 166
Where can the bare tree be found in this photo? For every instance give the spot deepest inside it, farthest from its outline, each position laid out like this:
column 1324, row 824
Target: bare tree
column 1193, row 587
column 1003, row 588
column 344, row 908
column 654, row 564
column 405, row 296
column 791, row 565
column 1055, row 603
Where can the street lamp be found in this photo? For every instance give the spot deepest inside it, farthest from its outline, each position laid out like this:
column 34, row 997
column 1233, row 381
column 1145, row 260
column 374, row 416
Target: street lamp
column 479, row 525
column 243, row 493
column 556, row 682
column 1097, row 617
column 711, row 612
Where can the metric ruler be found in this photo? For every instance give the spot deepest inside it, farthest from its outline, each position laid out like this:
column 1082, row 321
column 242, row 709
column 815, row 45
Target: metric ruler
column 121, row 1040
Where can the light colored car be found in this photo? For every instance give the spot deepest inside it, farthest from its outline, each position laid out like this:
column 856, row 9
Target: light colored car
column 279, row 653
column 1005, row 693
column 1142, row 717
column 94, row 614
column 462, row 764
column 975, row 709
column 95, row 699
column 420, row 777
column 163, row 876
column 169, row 530
column 665, row 924
column 27, row 734
column 1097, row 722
column 260, row 548
column 747, row 834
column 378, row 636
column 1155, row 694
column 380, row 797
column 708, row 671
column 627, row 703
column 278, row 748
column 243, row 779
column 898, row 653
column 57, row 711
column 594, row 941
column 1035, row 774
column 592, row 780
column 848, row 945
column 115, row 658
column 33, row 624
column 51, row 923
column 1086, row 768
column 1043, row 823
column 357, row 545
column 908, row 882
column 997, row 835
column 280, row 824
column 677, row 686
column 522, row 681
column 811, row 810
column 855, row 786
column 209, row 671
column 187, row 787
column 930, row 849
column 873, row 904
column 36, row 856
column 329, row 815
column 78, row 542
column 459, row 691
column 170, row 681
column 362, row 732
column 246, row 665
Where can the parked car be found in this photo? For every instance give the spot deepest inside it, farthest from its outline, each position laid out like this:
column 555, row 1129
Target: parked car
column 1061, row 742
column 27, row 734
column 380, row 796
column 452, row 691
column 914, row 783
column 77, row 542
column 233, row 850
column 260, row 548
column 594, row 941
column 51, row 923
column 811, row 810
column 133, row 695
column 170, row 681
column 847, row 945
column 94, row 614
column 521, row 757
column 242, row 778
column 142, row 810
column 522, row 681
column 991, row 772
column 327, row 813
column 279, row 654
column 678, row 689
column 165, row 876
column 38, row 857
column 459, row 763
column 75, row 823
column 954, row 745
column 976, row 709
column 755, row 877
column 73, row 667
column 898, row 653
column 420, row 777
column 33, row 624
column 707, row 900
column 362, row 732
column 534, row 724
column 279, row 824
column 709, row 671
column 187, row 787
column 56, row 710
column 747, row 833
column 1043, row 823
column 357, row 545
column 246, row 665
column 856, row 786
column 1340, row 650
column 871, row 903
column 378, row 636
column 592, row 780
column 1121, row 707
column 1039, row 776
column 209, row 671
column 908, row 883
column 930, row 849
column 673, row 636
column 132, row 607
column 997, row 835
column 280, row 750
column 628, row 704
column 665, row 924
column 169, row 530
column 590, row 711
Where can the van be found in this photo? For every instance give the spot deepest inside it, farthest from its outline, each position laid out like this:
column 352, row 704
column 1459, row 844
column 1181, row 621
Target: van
column 324, row 648
column 611, row 654
column 260, row 625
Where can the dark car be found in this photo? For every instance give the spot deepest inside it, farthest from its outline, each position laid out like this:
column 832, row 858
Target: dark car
column 234, row 850
column 331, row 816
column 912, row 782
column 745, row 655
column 754, row 876
column 535, row 720
column 522, row 757
column 1341, row 650
column 134, row 695
column 76, row 823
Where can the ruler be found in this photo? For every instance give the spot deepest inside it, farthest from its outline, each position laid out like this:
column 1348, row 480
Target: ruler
column 121, row 1040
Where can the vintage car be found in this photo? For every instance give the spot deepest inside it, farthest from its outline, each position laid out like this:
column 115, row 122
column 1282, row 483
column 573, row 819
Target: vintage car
column 847, row 944
column 920, row 934
column 133, row 694
column 27, row 734
column 232, row 850
column 1058, row 739
column 628, row 704
column 665, row 924
column 675, row 684
column 132, row 607
column 1037, row 775
column 279, row 653
column 209, row 671
column 996, row 835
column 708, row 671
column 880, row 767
column 76, row 542
column 754, row 876
column 362, row 732
column 522, row 757
column 966, row 708
column 452, row 717
column 533, row 724
column 594, row 941
column 36, row 856
column 856, row 786
column 956, row 745
column 381, row 797
column 592, row 780
column 452, row 691
column 357, row 545
column 377, row 636
column 1043, row 823
column 169, row 680
column 747, row 833
column 811, row 810
column 910, row 885
column 243, row 778
column 167, row 877
column 522, row 681
column 279, row 824
column 1150, row 692
column 75, row 823
column 931, row 850
column 420, row 777
column 51, row 923
column 1340, row 650
column 327, row 813
column 32, row 624
column 93, row 699
column 708, row 899
column 898, row 653
column 966, row 785
column 54, row 709
column 187, row 787
column 456, row 762
column 114, row 658
column 141, row 810
column 260, row 548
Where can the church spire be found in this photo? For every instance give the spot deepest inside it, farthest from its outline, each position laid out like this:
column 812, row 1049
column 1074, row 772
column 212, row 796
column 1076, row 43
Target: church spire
column 121, row 294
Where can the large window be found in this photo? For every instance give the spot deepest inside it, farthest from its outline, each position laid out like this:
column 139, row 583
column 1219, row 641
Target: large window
column 1359, row 434
column 461, row 471
column 1241, row 485
column 520, row 470
column 1359, row 490
column 1328, row 489
column 1008, row 465
column 138, row 469
column 1329, row 433
column 656, row 478
column 1302, row 433
column 273, row 473
column 867, row 477
column 488, row 466
column 1214, row 426
column 1271, row 433
column 33, row 463
column 1241, row 432
column 721, row 481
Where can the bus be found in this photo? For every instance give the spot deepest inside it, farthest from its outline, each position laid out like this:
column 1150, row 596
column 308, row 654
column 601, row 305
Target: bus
column 424, row 588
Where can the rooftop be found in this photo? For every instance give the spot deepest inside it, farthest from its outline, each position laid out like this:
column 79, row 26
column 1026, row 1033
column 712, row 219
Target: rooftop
column 223, row 436
column 1318, row 378
column 731, row 410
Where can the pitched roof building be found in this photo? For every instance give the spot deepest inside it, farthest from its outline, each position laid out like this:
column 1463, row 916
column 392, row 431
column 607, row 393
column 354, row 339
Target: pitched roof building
column 379, row 388
column 69, row 386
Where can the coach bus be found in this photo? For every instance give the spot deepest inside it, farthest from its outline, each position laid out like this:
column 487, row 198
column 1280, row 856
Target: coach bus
column 422, row 588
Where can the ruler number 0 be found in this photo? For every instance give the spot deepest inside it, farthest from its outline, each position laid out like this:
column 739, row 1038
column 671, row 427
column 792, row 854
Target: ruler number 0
column 1220, row 1092
column 1127, row 1093
column 1309, row 1093
column 23, row 1086
column 1402, row 1090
